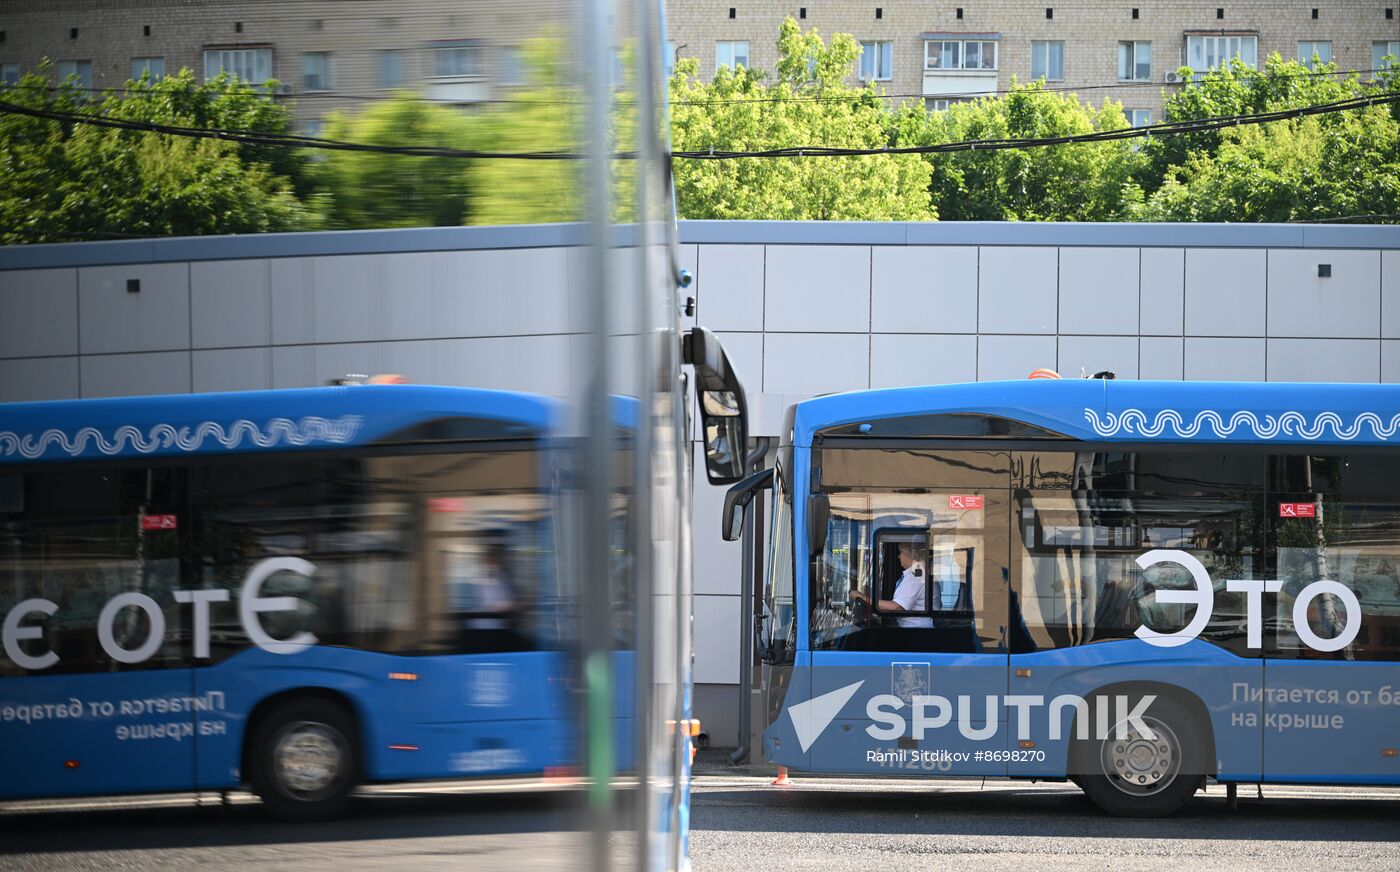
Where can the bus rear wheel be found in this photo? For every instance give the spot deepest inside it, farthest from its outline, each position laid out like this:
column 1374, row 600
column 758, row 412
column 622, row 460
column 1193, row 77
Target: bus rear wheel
column 1140, row 774
column 305, row 765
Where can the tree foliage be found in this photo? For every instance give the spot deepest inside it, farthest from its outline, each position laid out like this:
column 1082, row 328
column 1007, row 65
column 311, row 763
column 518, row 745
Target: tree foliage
column 1074, row 182
column 1309, row 168
column 545, row 116
column 808, row 103
column 372, row 189
column 67, row 181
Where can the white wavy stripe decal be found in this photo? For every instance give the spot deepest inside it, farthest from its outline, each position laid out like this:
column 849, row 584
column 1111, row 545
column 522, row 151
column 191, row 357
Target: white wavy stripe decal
column 1134, row 422
column 276, row 431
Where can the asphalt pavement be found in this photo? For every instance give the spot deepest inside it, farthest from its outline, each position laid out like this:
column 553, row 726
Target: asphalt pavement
column 739, row 822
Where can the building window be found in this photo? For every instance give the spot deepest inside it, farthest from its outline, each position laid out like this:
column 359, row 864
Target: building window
column 141, row 66
column 1048, row 61
column 731, row 54
column 941, row 104
column 1134, row 61
column 9, row 74
column 1205, row 53
column 618, row 68
column 251, row 65
column 512, row 65
column 876, row 60
column 1138, row 117
column 391, row 68
column 457, row 61
column 1321, row 48
column 1382, row 50
column 944, row 54
column 82, row 70
column 316, row 71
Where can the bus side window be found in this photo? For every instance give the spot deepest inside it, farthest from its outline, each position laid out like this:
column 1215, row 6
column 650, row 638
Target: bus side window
column 79, row 538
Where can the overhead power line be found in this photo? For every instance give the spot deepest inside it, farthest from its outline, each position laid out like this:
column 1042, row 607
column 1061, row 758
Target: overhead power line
column 286, row 140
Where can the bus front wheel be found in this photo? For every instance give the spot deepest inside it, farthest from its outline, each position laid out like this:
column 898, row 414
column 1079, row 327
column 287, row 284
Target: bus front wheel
column 1144, row 774
column 305, row 765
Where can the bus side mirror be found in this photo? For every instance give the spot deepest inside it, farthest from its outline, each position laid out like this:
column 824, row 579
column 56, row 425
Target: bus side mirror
column 736, row 503
column 723, row 408
column 818, row 513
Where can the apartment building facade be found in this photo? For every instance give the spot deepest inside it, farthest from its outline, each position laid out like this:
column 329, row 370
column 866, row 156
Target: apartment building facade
column 1126, row 50
column 329, row 56
column 325, row 56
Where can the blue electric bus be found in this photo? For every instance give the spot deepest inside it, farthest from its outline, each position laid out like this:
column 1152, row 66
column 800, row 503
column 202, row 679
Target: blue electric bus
column 1133, row 585
column 298, row 590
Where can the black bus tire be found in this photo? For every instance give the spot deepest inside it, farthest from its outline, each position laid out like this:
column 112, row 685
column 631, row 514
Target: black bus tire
column 1137, row 778
column 305, row 762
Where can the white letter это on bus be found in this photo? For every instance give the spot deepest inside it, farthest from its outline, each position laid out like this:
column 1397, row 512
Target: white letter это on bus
column 250, row 604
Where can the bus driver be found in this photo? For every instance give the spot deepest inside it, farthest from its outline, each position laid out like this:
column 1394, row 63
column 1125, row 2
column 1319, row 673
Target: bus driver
column 910, row 594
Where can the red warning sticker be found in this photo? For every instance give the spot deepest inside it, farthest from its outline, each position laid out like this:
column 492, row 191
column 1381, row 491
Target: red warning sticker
column 1297, row 510
column 159, row 522
column 964, row 501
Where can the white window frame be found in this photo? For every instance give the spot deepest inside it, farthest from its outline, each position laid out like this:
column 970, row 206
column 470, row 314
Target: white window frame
column 252, row 66
column 382, row 65
column 316, row 81
column 962, row 61
column 1046, row 48
column 156, row 66
column 1133, row 55
column 1138, row 117
column 512, row 66
column 457, row 62
column 1217, row 49
column 876, row 60
column 10, row 74
column 76, row 68
column 1307, row 47
column 1382, row 47
column 727, row 53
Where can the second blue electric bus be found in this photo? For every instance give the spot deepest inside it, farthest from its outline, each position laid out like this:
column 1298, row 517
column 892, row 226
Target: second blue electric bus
column 1134, row 585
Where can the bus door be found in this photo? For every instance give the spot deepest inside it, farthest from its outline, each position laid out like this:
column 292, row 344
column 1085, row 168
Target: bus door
column 908, row 618
column 1332, row 668
column 491, row 588
column 95, row 689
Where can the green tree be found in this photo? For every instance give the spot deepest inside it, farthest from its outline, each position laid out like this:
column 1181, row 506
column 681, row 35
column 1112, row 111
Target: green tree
column 546, row 116
column 1073, row 182
column 362, row 189
column 1308, row 168
column 1235, row 89
column 67, row 180
column 808, row 103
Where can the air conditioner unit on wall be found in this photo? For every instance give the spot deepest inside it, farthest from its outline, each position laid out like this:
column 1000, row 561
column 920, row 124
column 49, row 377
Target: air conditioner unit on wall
column 1172, row 77
column 283, row 89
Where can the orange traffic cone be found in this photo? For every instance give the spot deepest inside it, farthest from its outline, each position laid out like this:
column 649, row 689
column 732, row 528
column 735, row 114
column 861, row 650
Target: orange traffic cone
column 782, row 779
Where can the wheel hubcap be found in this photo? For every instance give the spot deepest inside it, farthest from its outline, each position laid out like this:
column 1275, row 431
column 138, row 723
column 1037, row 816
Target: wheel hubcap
column 1138, row 764
column 308, row 758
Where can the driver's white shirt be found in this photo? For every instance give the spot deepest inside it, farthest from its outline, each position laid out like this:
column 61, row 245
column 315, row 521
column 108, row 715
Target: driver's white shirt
column 912, row 597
